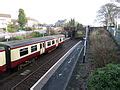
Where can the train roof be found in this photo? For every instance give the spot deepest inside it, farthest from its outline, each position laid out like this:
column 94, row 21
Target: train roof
column 57, row 36
column 18, row 43
column 2, row 48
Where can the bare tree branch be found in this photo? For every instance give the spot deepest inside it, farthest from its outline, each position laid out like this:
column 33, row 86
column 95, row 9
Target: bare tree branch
column 107, row 14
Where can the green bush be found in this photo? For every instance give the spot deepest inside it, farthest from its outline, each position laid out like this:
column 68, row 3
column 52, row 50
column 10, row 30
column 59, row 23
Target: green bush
column 107, row 78
column 19, row 37
column 35, row 34
column 28, row 29
column 11, row 28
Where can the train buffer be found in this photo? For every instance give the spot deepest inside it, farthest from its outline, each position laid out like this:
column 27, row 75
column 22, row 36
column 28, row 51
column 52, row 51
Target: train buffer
column 58, row 76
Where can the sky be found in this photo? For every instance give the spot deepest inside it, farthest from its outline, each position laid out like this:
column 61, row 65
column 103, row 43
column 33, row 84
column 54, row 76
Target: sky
column 49, row 11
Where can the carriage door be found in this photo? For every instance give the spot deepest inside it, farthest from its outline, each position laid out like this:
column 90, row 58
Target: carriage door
column 42, row 48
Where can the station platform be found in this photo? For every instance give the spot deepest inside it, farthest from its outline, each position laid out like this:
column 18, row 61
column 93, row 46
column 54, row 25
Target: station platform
column 57, row 77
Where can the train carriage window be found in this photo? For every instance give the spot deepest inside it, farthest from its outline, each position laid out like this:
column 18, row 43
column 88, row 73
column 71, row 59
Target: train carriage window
column 53, row 42
column 2, row 48
column 23, row 51
column 48, row 43
column 60, row 40
column 33, row 48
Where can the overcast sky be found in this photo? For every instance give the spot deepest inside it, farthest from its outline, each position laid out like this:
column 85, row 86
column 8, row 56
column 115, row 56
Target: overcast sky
column 49, row 11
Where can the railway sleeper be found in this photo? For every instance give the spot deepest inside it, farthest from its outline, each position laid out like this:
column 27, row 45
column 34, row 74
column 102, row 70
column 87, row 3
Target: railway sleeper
column 51, row 50
column 23, row 87
column 28, row 83
column 26, row 63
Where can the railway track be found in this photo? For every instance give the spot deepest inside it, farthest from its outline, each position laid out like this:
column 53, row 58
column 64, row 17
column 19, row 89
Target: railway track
column 36, row 70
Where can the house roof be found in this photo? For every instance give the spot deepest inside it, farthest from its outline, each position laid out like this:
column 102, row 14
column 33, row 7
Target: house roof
column 32, row 19
column 5, row 15
column 14, row 20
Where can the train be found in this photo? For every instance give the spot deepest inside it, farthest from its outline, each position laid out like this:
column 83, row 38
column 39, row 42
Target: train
column 15, row 53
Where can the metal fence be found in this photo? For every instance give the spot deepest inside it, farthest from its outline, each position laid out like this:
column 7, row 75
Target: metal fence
column 115, row 34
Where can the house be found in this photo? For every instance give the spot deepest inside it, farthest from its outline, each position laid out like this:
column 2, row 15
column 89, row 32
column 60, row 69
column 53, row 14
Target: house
column 60, row 23
column 14, row 21
column 5, row 19
column 32, row 23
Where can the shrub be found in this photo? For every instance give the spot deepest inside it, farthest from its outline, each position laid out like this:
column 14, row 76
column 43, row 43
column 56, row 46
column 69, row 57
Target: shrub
column 28, row 29
column 19, row 37
column 11, row 28
column 103, row 48
column 107, row 78
column 35, row 34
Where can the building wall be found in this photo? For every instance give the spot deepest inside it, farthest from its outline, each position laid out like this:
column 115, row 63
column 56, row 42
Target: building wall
column 31, row 23
column 4, row 21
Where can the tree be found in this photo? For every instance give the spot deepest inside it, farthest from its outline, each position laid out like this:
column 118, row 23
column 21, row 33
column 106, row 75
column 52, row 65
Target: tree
column 72, row 25
column 107, row 14
column 12, row 28
column 22, row 20
column 79, row 26
column 117, row 1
